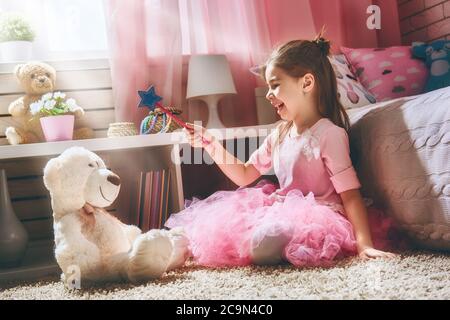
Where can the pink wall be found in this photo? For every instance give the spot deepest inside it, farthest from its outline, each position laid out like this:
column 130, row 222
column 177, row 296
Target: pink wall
column 289, row 20
column 345, row 21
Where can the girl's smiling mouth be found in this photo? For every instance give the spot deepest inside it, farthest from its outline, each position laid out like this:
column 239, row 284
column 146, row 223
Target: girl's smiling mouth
column 279, row 106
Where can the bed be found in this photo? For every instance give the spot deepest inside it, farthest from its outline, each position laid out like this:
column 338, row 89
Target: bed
column 401, row 151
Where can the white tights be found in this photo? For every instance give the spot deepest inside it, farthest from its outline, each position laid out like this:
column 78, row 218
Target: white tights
column 268, row 243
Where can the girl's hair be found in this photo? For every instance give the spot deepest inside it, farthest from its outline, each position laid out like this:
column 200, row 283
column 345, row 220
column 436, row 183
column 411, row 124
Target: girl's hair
column 298, row 57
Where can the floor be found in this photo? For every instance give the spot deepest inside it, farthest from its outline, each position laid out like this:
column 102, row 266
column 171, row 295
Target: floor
column 413, row 275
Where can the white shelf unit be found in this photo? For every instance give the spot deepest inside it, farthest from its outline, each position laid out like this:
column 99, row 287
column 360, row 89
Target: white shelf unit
column 127, row 156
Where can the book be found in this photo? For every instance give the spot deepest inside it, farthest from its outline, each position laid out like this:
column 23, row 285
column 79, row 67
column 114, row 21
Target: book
column 164, row 212
column 153, row 199
column 148, row 201
column 153, row 222
column 141, row 199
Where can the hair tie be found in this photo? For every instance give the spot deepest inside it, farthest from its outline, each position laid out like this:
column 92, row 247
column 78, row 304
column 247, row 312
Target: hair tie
column 323, row 44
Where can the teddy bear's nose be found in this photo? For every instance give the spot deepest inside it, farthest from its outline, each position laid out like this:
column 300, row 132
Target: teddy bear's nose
column 115, row 180
column 41, row 80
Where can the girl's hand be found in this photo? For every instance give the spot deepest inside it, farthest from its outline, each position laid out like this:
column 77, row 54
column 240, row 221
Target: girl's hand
column 197, row 136
column 370, row 253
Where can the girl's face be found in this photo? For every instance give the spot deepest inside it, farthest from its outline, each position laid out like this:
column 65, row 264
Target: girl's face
column 284, row 93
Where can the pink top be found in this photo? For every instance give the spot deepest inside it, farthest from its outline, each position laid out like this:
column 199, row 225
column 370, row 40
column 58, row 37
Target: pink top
column 317, row 161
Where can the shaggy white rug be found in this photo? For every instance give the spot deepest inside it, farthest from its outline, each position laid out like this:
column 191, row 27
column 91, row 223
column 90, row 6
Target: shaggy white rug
column 414, row 275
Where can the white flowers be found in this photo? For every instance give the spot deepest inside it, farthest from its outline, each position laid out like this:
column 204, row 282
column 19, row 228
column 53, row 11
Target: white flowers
column 49, row 104
column 58, row 94
column 53, row 104
column 35, row 107
column 47, row 96
column 72, row 104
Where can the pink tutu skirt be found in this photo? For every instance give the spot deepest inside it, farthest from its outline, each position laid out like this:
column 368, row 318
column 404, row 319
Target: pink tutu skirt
column 220, row 228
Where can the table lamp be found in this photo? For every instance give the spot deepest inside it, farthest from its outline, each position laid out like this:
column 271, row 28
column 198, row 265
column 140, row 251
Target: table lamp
column 209, row 79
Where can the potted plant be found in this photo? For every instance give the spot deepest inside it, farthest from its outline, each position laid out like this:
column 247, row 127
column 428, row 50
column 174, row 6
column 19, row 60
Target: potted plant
column 16, row 36
column 56, row 115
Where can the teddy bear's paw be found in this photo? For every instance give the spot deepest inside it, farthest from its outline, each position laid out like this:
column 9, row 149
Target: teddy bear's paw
column 17, row 108
column 150, row 256
column 79, row 112
column 12, row 136
column 181, row 251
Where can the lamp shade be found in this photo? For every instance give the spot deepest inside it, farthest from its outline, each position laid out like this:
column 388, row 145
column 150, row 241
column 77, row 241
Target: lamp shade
column 209, row 75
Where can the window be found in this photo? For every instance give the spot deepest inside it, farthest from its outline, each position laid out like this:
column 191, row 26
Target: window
column 65, row 29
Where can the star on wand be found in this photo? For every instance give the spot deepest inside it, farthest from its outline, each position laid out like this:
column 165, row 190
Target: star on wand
column 151, row 100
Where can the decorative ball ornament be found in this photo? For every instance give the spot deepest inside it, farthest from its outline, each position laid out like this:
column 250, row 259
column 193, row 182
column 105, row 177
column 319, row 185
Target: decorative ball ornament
column 151, row 100
column 159, row 122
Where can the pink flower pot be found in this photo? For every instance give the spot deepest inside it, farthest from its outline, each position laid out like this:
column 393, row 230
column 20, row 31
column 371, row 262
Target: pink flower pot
column 58, row 128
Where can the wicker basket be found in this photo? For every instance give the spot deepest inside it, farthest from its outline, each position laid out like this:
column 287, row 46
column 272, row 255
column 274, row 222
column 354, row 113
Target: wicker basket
column 157, row 121
column 121, row 129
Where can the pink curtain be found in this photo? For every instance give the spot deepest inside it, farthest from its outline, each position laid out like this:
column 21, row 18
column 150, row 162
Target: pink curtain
column 146, row 48
column 146, row 44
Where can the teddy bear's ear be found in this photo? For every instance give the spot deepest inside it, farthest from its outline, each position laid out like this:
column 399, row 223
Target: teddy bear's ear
column 17, row 69
column 51, row 174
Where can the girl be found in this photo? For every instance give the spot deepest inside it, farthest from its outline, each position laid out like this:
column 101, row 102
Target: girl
column 317, row 214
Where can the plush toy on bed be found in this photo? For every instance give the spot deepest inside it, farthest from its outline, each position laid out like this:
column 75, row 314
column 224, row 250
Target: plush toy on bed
column 90, row 242
column 437, row 58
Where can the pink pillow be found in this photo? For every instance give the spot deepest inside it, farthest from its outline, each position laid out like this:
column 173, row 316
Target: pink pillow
column 388, row 73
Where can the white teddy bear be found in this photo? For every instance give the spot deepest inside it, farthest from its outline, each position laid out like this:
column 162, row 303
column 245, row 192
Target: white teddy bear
column 88, row 238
